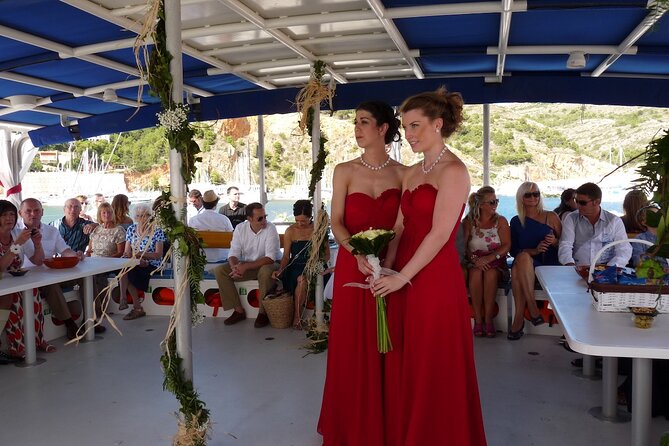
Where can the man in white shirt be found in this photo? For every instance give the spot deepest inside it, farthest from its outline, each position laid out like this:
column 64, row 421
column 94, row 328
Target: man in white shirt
column 194, row 204
column 586, row 231
column 210, row 220
column 45, row 242
column 254, row 254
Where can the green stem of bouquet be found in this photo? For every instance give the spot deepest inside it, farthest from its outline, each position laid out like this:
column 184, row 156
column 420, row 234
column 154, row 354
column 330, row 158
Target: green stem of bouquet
column 382, row 333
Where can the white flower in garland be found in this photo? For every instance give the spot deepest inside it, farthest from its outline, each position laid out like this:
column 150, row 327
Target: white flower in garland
column 174, row 119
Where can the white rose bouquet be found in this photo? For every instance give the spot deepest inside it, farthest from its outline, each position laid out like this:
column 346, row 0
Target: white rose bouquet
column 370, row 243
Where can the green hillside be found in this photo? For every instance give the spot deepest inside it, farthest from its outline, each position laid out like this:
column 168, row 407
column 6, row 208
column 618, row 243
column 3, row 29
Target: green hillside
column 528, row 141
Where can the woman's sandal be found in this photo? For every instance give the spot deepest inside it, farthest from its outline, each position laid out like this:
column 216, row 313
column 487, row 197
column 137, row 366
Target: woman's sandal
column 123, row 305
column 515, row 335
column 46, row 347
column 478, row 330
column 490, row 330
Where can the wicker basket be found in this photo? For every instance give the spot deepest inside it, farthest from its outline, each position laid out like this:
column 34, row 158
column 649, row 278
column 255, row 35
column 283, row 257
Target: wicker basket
column 279, row 308
column 619, row 298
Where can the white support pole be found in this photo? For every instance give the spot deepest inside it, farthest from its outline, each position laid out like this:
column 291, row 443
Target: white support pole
column 261, row 160
column 315, row 147
column 183, row 326
column 396, row 146
column 486, row 144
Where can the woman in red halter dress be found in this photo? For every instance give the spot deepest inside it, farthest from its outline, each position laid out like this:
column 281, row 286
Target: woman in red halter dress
column 366, row 193
column 430, row 388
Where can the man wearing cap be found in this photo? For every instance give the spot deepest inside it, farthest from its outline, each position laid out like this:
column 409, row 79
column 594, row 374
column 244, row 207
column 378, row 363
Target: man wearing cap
column 210, row 220
column 234, row 210
column 194, row 204
column 254, row 254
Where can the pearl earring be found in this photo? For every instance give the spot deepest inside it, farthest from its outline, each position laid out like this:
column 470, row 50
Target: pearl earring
column 437, row 130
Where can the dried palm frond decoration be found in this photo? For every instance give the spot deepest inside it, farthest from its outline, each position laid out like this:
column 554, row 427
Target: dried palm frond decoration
column 308, row 101
column 313, row 94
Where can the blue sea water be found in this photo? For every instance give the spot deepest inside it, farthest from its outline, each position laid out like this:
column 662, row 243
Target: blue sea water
column 282, row 210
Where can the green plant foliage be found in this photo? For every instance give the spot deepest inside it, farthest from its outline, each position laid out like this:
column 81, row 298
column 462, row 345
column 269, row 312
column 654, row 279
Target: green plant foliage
column 183, row 238
column 191, row 405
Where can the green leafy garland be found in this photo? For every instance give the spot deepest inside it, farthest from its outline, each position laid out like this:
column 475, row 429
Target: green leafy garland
column 194, row 423
column 179, row 133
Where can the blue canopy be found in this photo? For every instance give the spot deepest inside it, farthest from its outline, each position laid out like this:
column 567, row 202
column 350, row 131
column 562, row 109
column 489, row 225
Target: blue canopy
column 67, row 68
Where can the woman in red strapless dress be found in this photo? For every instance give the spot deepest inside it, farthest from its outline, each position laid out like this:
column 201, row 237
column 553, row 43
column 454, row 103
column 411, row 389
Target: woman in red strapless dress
column 366, row 193
column 431, row 393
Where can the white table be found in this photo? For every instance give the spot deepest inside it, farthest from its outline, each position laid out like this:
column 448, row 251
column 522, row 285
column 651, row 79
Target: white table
column 39, row 276
column 611, row 335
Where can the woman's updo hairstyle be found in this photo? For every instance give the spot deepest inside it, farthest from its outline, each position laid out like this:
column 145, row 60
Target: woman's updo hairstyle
column 383, row 114
column 438, row 104
column 302, row 207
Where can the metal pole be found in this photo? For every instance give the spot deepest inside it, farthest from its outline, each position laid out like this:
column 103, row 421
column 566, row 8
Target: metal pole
column 261, row 160
column 642, row 381
column 315, row 147
column 183, row 326
column 486, row 144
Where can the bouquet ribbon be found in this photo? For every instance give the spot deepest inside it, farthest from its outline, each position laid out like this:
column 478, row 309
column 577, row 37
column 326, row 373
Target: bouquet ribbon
column 382, row 333
column 366, row 286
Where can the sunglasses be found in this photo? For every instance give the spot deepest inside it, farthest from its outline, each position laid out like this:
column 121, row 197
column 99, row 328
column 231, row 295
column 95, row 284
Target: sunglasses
column 261, row 218
column 494, row 202
column 532, row 194
column 583, row 202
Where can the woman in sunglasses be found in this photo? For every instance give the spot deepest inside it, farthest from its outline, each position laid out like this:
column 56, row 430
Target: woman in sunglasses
column 534, row 242
column 488, row 241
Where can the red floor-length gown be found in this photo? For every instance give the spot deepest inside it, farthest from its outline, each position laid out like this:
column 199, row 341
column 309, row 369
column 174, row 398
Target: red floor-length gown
column 352, row 410
column 431, row 390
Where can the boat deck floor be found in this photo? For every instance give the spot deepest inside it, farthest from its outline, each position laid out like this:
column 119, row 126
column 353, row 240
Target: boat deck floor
column 263, row 390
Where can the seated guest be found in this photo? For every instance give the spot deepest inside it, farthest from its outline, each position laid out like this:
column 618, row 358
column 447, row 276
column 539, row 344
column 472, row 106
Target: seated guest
column 107, row 240
column 567, row 203
column 11, row 258
column 534, row 241
column 634, row 200
column 585, row 232
column 487, row 239
column 649, row 235
column 143, row 241
column 296, row 251
column 234, row 210
column 73, row 228
column 121, row 206
column 254, row 251
column 83, row 200
column 210, row 220
column 45, row 242
column 98, row 199
column 194, row 204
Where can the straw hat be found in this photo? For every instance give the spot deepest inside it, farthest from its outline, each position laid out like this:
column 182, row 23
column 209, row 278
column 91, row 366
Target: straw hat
column 210, row 197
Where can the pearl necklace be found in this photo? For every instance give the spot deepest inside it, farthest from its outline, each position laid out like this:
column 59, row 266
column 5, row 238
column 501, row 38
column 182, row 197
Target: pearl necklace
column 375, row 168
column 422, row 166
